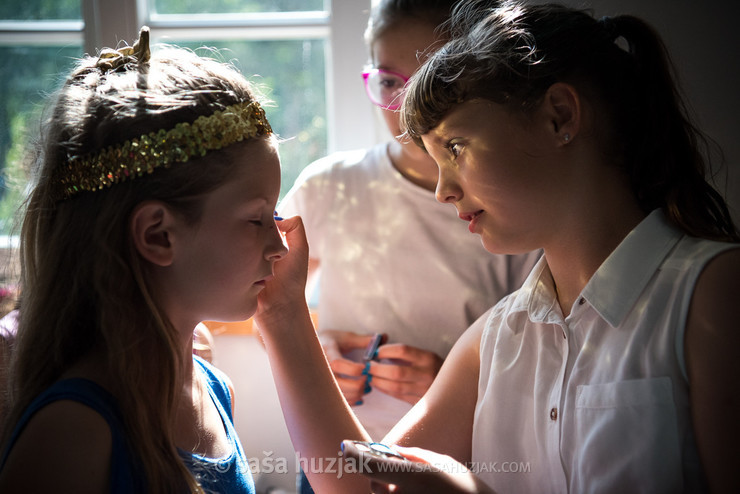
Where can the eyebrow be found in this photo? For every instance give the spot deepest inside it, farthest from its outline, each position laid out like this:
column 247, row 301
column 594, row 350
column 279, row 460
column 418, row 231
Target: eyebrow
column 436, row 136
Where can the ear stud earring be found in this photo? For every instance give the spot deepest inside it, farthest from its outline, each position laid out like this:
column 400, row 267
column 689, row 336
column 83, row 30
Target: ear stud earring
column 566, row 137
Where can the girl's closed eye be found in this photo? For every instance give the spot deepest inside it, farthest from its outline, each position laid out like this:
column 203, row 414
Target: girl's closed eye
column 258, row 219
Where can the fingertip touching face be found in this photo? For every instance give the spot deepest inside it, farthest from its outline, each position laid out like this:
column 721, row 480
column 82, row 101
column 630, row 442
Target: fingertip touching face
column 227, row 257
column 494, row 170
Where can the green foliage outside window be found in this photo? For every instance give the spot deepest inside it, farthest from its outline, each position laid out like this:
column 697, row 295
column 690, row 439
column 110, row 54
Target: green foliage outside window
column 40, row 10
column 28, row 74
column 234, row 6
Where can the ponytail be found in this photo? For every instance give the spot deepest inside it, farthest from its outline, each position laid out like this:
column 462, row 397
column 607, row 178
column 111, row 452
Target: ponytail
column 666, row 156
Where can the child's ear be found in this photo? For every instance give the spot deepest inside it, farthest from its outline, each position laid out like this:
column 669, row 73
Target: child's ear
column 151, row 229
column 563, row 106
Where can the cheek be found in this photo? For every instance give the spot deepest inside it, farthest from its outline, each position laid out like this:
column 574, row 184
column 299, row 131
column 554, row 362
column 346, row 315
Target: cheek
column 392, row 122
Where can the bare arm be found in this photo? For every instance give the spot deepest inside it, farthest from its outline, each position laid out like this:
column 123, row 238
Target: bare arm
column 442, row 420
column 712, row 342
column 66, row 447
column 316, row 413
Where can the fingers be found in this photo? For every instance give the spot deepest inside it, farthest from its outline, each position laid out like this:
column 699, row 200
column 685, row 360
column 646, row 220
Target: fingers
column 352, row 388
column 347, row 367
column 401, row 373
column 383, row 471
column 346, row 341
column 414, row 356
column 291, row 271
column 292, row 229
column 351, row 379
column 423, row 472
column 410, row 377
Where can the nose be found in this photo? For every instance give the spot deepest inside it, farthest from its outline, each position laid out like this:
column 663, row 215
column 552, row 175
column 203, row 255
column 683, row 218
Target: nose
column 448, row 190
column 276, row 248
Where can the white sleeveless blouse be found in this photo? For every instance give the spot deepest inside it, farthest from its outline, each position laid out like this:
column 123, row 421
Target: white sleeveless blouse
column 598, row 401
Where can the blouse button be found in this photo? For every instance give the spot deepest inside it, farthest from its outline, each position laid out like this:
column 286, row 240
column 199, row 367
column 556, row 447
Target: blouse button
column 581, row 301
column 553, row 413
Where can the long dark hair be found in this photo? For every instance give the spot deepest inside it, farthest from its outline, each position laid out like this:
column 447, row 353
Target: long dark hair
column 511, row 53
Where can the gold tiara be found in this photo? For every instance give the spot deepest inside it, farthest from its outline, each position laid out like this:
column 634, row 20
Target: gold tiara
column 136, row 157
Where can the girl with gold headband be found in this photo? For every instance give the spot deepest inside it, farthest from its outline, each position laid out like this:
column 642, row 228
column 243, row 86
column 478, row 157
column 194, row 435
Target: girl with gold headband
column 152, row 210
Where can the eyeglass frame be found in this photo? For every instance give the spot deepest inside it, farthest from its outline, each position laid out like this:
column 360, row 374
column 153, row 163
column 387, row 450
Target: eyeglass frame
column 366, row 74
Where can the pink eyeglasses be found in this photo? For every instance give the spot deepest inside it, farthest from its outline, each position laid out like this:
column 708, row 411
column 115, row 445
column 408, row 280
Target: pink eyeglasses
column 385, row 88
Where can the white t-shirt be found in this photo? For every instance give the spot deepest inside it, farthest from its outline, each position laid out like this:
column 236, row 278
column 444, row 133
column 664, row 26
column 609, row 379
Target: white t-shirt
column 598, row 401
column 394, row 260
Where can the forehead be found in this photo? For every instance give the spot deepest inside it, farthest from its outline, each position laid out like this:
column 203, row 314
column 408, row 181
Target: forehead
column 462, row 119
column 257, row 167
column 401, row 45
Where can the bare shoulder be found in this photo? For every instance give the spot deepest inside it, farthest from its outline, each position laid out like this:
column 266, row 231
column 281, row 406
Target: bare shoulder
column 65, row 447
column 714, row 316
column 711, row 343
column 464, row 358
column 714, row 304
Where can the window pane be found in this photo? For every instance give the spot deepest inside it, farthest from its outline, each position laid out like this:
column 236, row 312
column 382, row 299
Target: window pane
column 292, row 75
column 234, row 6
column 27, row 75
column 40, row 10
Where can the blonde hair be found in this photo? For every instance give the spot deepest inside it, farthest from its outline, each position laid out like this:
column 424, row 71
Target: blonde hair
column 85, row 288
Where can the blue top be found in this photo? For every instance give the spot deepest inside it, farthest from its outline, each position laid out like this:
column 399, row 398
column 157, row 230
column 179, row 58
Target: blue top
column 231, row 473
column 227, row 475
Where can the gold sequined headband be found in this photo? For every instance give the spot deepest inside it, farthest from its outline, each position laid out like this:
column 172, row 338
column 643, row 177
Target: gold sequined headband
column 136, row 157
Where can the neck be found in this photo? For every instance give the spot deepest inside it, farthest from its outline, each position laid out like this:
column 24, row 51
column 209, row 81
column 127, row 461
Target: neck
column 414, row 164
column 593, row 228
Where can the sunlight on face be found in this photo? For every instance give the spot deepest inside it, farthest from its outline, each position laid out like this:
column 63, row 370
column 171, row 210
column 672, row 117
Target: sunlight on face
column 493, row 170
column 228, row 256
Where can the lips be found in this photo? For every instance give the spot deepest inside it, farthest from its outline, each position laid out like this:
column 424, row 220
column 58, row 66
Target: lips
column 469, row 216
column 264, row 280
column 472, row 217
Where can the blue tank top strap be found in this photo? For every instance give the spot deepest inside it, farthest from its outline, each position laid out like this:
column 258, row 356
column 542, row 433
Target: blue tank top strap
column 217, row 381
column 124, row 478
column 230, row 474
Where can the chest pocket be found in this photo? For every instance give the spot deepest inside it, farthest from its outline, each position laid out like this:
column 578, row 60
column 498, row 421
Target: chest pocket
column 628, row 438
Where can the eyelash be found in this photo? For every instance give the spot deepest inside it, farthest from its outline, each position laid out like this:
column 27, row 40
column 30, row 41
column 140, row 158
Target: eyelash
column 453, row 148
column 261, row 221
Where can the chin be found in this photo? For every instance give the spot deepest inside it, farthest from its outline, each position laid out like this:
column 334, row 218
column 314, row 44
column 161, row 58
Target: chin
column 242, row 312
column 493, row 244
